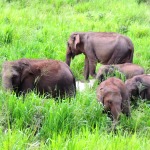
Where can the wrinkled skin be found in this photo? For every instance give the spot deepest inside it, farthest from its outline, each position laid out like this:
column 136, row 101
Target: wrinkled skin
column 104, row 47
column 139, row 86
column 128, row 69
column 49, row 77
column 113, row 94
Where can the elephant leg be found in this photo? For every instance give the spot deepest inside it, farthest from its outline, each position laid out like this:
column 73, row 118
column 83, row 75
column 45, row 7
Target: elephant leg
column 27, row 85
column 118, row 58
column 112, row 59
column 128, row 58
column 92, row 67
column 86, row 68
column 91, row 58
column 148, row 94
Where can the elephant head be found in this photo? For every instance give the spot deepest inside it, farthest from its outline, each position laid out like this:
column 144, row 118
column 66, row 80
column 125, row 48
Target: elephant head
column 132, row 87
column 101, row 73
column 135, row 86
column 109, row 97
column 13, row 73
column 113, row 95
column 104, row 71
column 74, row 47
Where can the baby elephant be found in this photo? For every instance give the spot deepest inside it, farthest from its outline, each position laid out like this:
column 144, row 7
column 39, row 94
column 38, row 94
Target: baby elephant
column 112, row 93
column 139, row 86
column 50, row 77
column 128, row 69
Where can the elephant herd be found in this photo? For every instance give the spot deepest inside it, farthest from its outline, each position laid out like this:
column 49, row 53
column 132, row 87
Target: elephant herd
column 55, row 79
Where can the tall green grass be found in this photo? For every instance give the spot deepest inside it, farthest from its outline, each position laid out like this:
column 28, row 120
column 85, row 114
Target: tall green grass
column 76, row 124
column 40, row 29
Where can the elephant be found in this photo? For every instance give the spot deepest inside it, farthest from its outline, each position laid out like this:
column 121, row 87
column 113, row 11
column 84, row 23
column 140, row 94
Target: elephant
column 113, row 95
column 139, row 86
column 128, row 69
column 52, row 78
column 103, row 47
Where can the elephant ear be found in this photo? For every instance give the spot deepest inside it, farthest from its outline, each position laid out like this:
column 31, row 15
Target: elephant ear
column 77, row 40
column 18, row 67
column 26, row 70
column 101, row 95
column 140, row 85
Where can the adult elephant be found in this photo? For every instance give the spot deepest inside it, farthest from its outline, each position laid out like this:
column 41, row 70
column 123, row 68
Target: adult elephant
column 112, row 93
column 104, row 47
column 49, row 77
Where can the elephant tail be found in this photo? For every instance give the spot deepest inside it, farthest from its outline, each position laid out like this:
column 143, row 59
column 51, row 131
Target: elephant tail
column 74, row 82
column 131, row 51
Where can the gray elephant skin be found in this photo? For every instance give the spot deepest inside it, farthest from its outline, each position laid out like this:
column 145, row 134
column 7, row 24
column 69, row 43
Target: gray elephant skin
column 139, row 87
column 128, row 69
column 103, row 47
column 112, row 93
column 48, row 77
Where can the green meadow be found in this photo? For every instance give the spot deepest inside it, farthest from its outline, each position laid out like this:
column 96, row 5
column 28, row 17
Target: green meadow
column 40, row 29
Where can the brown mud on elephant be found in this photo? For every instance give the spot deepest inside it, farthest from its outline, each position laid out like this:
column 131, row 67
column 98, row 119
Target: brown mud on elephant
column 129, row 70
column 112, row 93
column 139, row 87
column 104, row 47
column 49, row 77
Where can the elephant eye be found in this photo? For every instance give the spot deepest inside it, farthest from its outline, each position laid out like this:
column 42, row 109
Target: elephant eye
column 74, row 38
column 14, row 76
column 16, row 68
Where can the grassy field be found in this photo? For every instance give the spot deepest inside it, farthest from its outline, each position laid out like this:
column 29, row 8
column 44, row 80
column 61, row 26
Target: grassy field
column 40, row 29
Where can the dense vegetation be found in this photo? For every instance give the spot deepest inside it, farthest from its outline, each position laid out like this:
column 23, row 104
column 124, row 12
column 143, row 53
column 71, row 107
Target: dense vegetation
column 40, row 29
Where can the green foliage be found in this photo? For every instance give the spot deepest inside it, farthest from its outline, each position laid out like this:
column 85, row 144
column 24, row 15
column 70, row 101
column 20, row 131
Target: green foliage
column 142, row 1
column 115, row 73
column 40, row 29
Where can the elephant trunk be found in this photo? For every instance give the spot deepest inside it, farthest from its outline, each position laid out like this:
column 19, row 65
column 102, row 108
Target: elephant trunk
column 69, row 56
column 7, row 76
column 68, row 59
column 7, row 83
column 100, row 77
